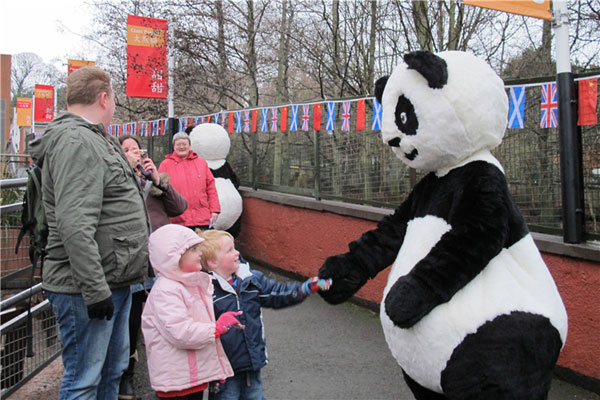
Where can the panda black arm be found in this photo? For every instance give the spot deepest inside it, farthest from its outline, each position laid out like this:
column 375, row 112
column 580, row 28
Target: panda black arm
column 371, row 253
column 479, row 219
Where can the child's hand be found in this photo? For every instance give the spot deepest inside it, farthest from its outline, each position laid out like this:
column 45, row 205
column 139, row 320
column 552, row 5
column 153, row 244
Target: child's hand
column 315, row 284
column 227, row 321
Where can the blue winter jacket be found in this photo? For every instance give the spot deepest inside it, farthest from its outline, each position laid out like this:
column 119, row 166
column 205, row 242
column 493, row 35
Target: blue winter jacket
column 246, row 348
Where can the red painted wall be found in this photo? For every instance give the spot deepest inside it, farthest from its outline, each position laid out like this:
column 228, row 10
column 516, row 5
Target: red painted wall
column 299, row 240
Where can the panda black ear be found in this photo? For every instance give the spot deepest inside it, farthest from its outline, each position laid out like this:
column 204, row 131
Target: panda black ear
column 379, row 86
column 432, row 67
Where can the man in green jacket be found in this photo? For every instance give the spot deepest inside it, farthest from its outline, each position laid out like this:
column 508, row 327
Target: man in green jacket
column 98, row 235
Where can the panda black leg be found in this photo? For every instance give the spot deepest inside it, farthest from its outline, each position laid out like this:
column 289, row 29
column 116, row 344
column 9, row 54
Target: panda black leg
column 510, row 357
column 420, row 392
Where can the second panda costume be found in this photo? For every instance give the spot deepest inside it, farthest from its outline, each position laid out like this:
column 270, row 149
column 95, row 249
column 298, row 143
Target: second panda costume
column 212, row 143
column 470, row 310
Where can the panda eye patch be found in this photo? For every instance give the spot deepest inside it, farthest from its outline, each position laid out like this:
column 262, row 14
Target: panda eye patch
column 406, row 119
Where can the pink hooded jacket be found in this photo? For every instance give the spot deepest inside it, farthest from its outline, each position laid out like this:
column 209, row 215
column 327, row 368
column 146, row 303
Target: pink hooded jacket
column 178, row 321
column 192, row 178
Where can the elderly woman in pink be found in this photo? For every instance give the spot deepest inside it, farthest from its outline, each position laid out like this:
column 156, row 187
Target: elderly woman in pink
column 191, row 176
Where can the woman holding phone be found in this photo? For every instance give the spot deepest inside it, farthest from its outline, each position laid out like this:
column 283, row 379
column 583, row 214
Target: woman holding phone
column 162, row 203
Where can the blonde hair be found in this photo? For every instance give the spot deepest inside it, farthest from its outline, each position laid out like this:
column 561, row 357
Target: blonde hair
column 211, row 245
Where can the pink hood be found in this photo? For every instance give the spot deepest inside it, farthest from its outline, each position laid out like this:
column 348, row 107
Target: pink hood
column 166, row 246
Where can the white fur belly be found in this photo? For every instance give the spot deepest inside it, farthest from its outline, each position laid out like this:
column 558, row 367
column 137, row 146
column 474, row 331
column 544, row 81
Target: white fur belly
column 231, row 203
column 516, row 279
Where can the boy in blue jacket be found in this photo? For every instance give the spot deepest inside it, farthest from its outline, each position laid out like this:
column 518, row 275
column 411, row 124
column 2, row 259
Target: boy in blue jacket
column 237, row 288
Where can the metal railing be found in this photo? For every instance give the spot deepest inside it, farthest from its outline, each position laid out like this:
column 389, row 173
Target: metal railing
column 25, row 351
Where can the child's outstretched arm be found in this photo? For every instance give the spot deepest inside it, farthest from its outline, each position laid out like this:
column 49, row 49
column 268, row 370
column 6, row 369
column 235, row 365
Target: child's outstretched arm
column 275, row 294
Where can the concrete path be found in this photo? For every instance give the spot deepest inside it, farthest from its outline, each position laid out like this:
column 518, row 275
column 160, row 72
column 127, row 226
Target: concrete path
column 322, row 352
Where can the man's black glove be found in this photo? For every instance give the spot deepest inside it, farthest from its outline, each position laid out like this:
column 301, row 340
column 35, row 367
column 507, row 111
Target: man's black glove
column 102, row 309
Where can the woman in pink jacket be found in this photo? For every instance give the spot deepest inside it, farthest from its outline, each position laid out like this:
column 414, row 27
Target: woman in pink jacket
column 191, row 176
column 183, row 348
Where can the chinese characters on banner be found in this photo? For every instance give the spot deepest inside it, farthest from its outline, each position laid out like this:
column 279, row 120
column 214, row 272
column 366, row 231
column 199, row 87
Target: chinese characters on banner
column 146, row 57
column 76, row 64
column 44, row 103
column 23, row 111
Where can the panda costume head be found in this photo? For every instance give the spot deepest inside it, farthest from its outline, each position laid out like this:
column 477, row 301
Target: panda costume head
column 440, row 109
column 470, row 310
column 211, row 142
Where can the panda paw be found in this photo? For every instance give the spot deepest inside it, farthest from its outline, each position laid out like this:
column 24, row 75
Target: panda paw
column 346, row 275
column 408, row 301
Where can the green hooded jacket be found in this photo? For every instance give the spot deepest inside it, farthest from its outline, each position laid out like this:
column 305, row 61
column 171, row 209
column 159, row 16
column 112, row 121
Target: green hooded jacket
column 97, row 219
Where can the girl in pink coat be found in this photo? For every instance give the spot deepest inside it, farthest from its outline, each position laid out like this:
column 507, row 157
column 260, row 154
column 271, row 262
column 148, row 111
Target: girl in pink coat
column 183, row 348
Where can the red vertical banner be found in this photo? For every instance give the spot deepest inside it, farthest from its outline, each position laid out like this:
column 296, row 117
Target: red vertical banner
column 254, row 118
column 146, row 57
column 360, row 115
column 284, row 119
column 317, row 117
column 230, row 124
column 588, row 101
column 44, row 103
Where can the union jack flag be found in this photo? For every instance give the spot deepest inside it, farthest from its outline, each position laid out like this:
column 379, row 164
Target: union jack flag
column 376, row 115
column 294, row 118
column 330, row 115
column 549, row 113
column 246, row 121
column 238, row 121
column 274, row 119
column 305, row 117
column 223, row 117
column 346, row 116
column 263, row 125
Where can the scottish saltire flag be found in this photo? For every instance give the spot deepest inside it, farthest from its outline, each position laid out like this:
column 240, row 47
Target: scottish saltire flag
column 346, row 116
column 217, row 115
column 246, row 121
column 549, row 112
column 263, row 125
column 274, row 119
column 294, row 118
column 305, row 117
column 376, row 125
column 238, row 122
column 516, row 107
column 330, row 115
column 180, row 125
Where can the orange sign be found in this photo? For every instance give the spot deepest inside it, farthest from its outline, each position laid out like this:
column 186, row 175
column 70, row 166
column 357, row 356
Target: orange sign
column 76, row 64
column 23, row 111
column 530, row 8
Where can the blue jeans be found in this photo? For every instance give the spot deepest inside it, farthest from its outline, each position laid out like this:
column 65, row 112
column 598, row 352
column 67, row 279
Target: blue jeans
column 95, row 351
column 242, row 386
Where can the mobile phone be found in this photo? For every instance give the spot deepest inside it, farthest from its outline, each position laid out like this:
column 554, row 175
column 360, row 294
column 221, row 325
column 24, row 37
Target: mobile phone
column 143, row 154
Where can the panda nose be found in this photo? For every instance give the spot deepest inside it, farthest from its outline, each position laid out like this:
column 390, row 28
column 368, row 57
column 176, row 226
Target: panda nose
column 395, row 142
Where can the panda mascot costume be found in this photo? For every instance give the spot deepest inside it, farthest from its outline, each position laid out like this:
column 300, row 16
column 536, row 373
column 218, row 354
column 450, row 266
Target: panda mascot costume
column 470, row 310
column 211, row 142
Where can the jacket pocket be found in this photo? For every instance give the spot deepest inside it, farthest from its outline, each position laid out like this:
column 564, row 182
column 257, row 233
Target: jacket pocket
column 129, row 259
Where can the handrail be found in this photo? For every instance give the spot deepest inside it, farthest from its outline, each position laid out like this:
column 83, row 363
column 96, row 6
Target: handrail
column 19, row 297
column 12, row 183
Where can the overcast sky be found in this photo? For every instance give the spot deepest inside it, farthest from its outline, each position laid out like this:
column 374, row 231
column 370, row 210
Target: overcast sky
column 48, row 28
